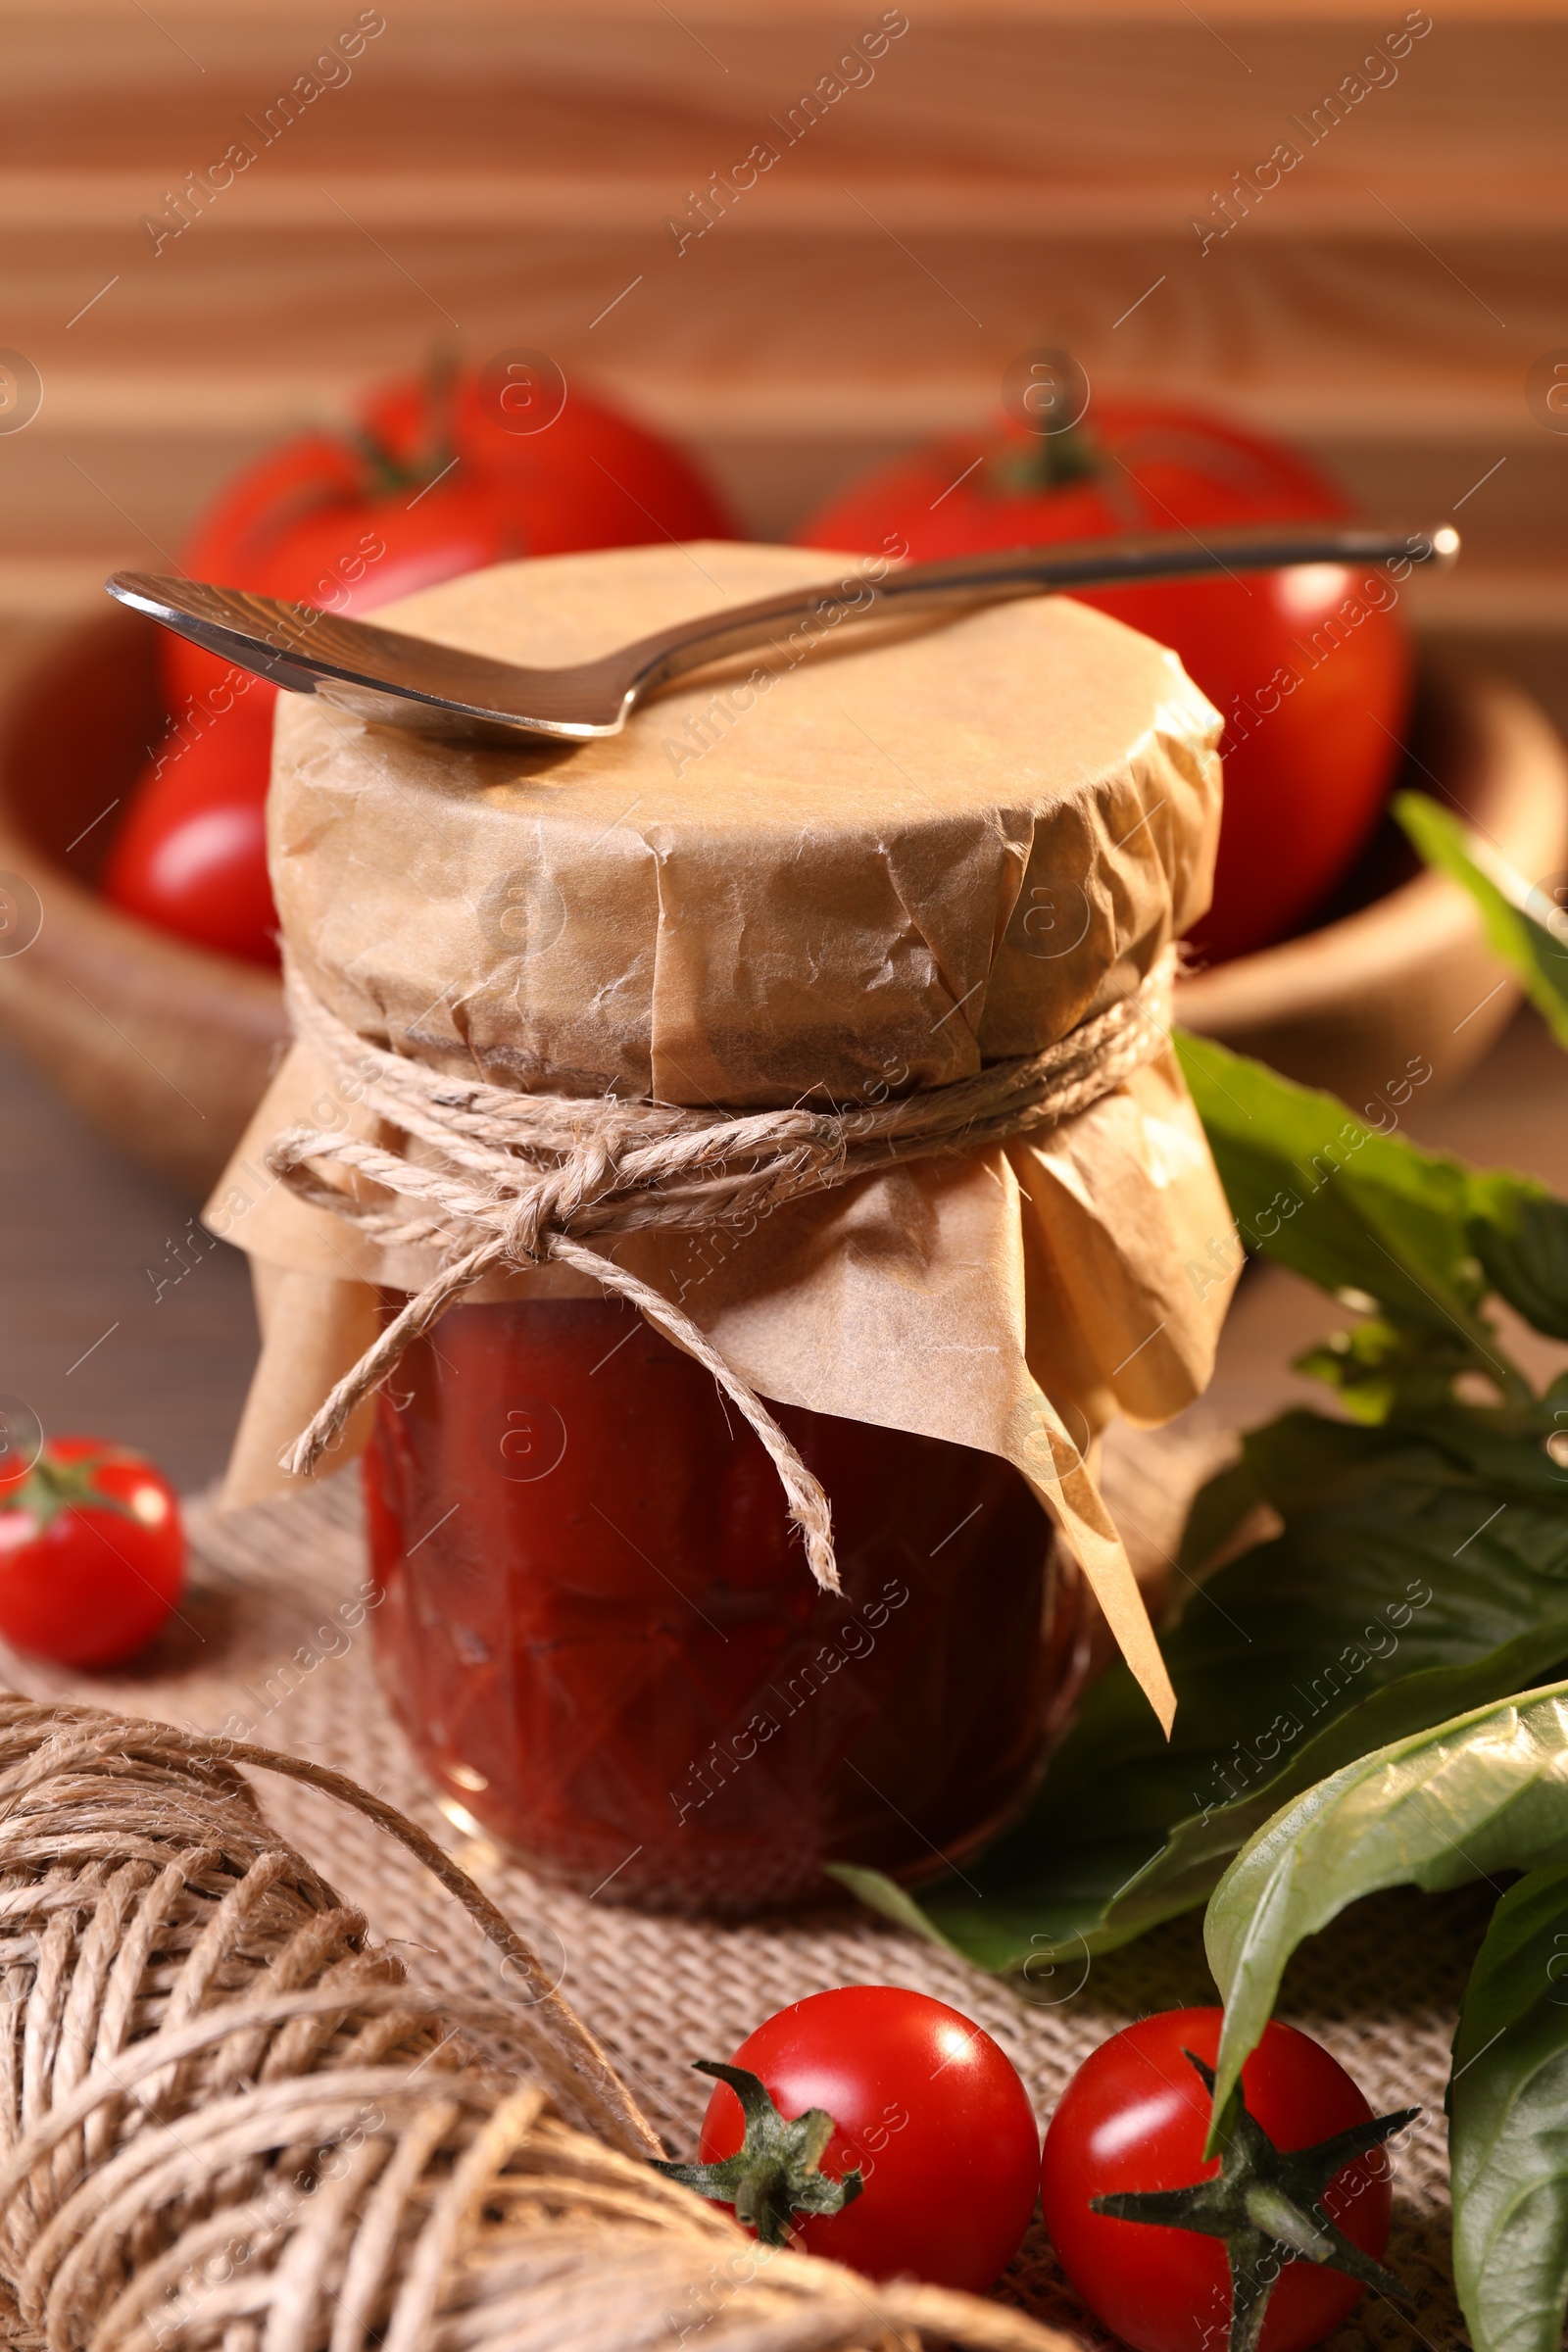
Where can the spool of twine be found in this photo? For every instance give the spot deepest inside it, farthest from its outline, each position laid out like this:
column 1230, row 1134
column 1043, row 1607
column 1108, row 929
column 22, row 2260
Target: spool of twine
column 228, row 2121
column 499, row 1178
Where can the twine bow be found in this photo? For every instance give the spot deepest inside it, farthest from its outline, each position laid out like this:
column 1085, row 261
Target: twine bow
column 505, row 1179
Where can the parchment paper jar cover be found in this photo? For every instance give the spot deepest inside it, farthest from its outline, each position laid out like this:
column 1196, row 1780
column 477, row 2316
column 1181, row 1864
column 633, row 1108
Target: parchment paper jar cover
column 863, row 869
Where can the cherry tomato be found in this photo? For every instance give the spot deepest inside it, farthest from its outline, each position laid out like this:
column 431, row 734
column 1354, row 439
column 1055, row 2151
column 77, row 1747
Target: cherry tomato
column 1310, row 668
column 925, row 2105
column 1134, row 2117
column 191, row 855
column 92, row 1553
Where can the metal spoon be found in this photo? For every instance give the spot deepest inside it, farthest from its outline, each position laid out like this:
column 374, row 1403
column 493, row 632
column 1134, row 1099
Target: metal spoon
column 411, row 683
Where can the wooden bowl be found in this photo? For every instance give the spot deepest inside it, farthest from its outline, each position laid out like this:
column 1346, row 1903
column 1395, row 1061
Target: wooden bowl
column 164, row 1045
column 1404, row 973
column 167, row 1047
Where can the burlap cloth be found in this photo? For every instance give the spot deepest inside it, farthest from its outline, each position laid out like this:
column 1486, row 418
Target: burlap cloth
column 1380, row 1988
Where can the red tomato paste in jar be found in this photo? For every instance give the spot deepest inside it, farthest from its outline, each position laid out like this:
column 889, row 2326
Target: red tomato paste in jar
column 600, row 1633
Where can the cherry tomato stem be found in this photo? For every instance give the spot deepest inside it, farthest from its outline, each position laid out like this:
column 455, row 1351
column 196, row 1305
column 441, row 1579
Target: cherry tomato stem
column 1269, row 2245
column 873, row 2081
column 776, row 2173
column 92, row 1553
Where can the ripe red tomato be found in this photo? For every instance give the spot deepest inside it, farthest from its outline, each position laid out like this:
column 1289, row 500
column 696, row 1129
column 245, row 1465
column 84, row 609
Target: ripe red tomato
column 92, row 1553
column 191, row 855
column 930, row 2110
column 433, row 484
column 1134, row 2117
column 1310, row 668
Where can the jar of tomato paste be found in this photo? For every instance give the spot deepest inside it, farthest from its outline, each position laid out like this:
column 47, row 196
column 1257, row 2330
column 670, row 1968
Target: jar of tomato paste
column 725, row 1178
column 598, row 1634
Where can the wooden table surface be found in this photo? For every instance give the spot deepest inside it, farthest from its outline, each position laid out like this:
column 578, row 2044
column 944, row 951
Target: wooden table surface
column 118, row 1316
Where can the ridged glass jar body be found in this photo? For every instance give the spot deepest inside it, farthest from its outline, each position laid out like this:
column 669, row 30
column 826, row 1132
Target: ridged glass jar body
column 601, row 1636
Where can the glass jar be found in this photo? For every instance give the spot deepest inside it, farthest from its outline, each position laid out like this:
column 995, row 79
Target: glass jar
column 601, row 1636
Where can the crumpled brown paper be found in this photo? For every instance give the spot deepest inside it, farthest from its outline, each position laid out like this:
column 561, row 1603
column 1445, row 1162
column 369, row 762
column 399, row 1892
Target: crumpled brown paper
column 818, row 874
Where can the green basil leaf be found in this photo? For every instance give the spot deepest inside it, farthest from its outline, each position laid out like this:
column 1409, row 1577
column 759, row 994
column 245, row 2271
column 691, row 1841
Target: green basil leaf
column 1033, row 1928
column 1092, row 1899
column 1327, row 1194
column 1522, row 1244
column 1524, row 1960
column 1484, row 1793
column 1526, row 1260
column 1521, row 925
column 1217, row 1512
column 1198, row 1851
column 1402, row 1563
column 1304, row 1464
column 1398, row 1555
column 1507, row 2097
column 1379, row 1369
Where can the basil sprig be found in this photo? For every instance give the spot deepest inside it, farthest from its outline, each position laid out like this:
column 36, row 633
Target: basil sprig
column 1416, row 1563
column 1359, row 1699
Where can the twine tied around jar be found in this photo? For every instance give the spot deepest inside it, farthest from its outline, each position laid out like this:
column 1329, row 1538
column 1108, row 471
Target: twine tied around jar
column 506, row 1179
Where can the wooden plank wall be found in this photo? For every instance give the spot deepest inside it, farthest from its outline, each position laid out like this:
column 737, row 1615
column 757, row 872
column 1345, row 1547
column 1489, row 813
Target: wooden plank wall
column 503, row 173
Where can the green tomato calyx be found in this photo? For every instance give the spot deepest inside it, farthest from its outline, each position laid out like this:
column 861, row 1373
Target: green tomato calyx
column 776, row 2171
column 51, row 1488
column 1054, row 460
column 1264, row 2204
column 387, row 475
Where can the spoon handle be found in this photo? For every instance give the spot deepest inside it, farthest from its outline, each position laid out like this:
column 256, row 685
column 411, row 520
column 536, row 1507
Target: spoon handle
column 999, row 575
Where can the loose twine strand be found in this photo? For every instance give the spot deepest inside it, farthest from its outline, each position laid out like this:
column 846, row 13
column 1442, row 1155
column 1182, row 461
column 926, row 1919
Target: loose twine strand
column 228, row 2123
column 509, row 1179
